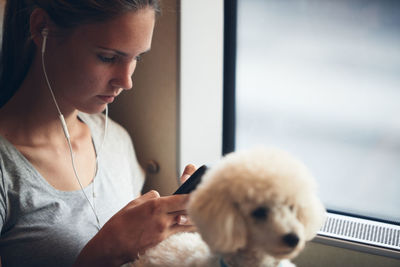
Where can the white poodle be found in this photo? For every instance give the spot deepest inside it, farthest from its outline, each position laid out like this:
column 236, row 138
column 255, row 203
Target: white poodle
column 253, row 208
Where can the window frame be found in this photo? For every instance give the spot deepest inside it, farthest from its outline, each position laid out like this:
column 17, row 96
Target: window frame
column 229, row 130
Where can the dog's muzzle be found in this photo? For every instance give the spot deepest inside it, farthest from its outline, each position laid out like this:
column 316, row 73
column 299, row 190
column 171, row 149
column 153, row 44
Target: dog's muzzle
column 291, row 240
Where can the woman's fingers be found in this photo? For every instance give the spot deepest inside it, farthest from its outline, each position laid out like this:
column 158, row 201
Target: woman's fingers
column 182, row 219
column 152, row 194
column 187, row 172
column 152, row 205
column 177, row 228
column 145, row 222
column 179, row 217
column 174, row 203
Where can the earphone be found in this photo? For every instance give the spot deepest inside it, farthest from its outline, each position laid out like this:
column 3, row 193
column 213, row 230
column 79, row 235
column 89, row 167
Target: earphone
column 45, row 33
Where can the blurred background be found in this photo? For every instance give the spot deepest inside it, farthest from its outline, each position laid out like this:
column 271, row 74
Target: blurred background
column 321, row 79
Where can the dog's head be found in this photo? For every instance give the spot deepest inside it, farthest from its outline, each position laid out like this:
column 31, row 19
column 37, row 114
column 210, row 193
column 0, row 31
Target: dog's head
column 262, row 199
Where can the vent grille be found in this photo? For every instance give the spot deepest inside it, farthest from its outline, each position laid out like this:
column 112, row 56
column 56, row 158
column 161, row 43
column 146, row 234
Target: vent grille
column 362, row 231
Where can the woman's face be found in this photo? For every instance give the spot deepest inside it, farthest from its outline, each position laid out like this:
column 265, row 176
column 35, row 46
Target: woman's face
column 95, row 62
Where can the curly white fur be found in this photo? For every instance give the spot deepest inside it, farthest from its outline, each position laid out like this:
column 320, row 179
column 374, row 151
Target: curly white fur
column 253, row 208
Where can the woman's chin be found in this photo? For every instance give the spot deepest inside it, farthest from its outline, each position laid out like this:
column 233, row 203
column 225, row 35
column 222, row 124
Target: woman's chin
column 93, row 109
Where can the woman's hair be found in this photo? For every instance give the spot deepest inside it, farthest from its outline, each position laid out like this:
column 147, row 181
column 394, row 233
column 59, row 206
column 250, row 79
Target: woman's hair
column 17, row 47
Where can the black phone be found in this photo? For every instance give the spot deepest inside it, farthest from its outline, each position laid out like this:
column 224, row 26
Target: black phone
column 190, row 184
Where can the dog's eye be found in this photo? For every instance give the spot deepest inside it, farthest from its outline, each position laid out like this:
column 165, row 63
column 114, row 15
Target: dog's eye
column 260, row 213
column 291, row 207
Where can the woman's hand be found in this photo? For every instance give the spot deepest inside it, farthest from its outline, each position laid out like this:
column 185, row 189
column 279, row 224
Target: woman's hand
column 187, row 172
column 141, row 224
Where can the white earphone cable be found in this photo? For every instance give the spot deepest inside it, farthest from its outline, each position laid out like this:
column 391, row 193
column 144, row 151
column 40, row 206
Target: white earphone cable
column 67, row 136
column 98, row 154
column 80, row 184
column 44, row 34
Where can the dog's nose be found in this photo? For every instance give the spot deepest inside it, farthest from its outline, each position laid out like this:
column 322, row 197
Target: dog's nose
column 291, row 240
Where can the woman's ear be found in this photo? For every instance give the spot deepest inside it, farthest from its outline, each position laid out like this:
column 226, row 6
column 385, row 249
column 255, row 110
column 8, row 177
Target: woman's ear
column 217, row 218
column 38, row 21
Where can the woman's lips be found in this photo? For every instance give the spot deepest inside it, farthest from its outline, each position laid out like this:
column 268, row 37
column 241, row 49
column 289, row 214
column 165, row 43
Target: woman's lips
column 106, row 98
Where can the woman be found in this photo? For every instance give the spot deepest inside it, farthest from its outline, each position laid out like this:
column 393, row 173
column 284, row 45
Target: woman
column 73, row 58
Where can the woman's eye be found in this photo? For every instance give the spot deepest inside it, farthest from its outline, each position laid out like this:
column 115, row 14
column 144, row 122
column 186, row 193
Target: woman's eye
column 107, row 59
column 138, row 58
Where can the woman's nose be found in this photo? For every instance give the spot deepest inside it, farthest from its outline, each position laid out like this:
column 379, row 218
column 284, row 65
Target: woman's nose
column 123, row 76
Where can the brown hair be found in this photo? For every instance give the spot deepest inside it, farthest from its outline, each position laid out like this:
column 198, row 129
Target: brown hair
column 17, row 47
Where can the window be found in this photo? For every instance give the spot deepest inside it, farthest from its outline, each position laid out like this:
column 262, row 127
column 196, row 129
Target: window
column 321, row 79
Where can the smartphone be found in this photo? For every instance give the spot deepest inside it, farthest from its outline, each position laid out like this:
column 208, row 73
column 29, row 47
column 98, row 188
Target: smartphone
column 190, row 184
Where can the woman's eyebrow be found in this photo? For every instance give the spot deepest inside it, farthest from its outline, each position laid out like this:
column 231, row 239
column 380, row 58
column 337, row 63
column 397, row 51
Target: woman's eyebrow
column 124, row 54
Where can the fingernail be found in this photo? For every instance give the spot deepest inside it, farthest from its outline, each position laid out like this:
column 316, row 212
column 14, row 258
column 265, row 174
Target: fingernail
column 185, row 177
column 182, row 219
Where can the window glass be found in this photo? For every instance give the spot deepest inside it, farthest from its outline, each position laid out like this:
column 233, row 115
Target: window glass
column 321, row 79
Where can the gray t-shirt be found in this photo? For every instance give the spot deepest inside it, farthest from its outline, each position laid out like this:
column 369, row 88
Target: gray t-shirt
column 42, row 226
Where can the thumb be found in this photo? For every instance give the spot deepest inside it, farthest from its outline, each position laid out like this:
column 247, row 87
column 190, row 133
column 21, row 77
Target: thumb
column 187, row 172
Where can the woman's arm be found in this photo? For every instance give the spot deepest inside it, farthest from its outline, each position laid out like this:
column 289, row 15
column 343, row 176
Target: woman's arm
column 142, row 224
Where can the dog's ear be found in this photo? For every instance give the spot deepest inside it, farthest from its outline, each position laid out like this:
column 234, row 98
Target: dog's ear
column 218, row 218
column 311, row 213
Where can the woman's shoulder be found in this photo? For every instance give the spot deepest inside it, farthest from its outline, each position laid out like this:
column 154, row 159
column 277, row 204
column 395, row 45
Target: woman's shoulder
column 14, row 167
column 7, row 150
